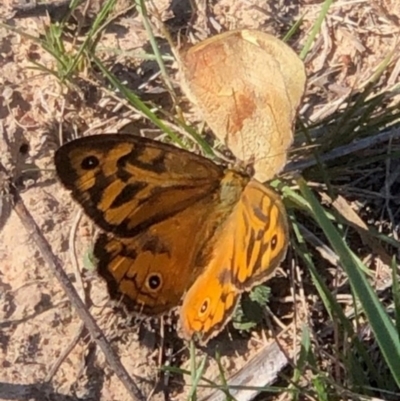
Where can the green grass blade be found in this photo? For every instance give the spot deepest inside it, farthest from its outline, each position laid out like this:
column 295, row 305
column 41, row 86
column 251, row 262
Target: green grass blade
column 383, row 328
column 316, row 28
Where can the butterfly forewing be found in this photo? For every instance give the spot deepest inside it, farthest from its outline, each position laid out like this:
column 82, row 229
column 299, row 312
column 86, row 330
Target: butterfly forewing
column 127, row 183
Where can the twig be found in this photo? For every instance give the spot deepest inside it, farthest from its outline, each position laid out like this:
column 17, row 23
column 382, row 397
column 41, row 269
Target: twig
column 55, row 265
column 79, row 282
column 32, row 8
column 262, row 370
column 72, row 344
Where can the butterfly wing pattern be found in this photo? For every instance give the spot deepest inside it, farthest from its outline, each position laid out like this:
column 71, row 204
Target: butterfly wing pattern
column 251, row 244
column 175, row 226
column 157, row 205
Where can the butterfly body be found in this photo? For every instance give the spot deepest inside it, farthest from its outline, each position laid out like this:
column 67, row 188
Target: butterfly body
column 176, row 226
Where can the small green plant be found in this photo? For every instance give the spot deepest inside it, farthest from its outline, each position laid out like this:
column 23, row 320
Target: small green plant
column 251, row 309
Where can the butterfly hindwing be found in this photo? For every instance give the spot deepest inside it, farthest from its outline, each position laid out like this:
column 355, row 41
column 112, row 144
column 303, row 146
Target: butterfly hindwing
column 151, row 271
column 263, row 219
column 248, row 249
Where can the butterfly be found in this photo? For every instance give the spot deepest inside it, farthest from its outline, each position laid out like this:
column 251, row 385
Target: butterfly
column 247, row 86
column 176, row 227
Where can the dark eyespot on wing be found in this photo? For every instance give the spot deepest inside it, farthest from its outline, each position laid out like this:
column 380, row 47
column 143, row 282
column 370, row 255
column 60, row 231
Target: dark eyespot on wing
column 274, row 242
column 90, row 163
column 229, row 301
column 204, row 306
column 115, row 261
column 154, row 282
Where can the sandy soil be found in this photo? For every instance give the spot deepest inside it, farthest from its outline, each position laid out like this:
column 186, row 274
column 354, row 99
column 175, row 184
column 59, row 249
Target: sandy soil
column 37, row 322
